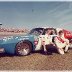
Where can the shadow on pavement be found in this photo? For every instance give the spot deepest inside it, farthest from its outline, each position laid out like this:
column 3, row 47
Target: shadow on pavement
column 50, row 50
column 6, row 55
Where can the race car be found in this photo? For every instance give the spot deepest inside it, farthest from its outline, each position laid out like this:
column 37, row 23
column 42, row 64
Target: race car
column 67, row 34
column 20, row 45
column 25, row 44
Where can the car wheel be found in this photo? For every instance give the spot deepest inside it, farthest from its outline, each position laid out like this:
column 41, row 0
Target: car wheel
column 23, row 48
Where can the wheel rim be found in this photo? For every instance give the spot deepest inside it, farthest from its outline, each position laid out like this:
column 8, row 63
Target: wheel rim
column 23, row 48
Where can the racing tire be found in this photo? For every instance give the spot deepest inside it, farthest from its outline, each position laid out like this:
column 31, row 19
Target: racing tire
column 23, row 48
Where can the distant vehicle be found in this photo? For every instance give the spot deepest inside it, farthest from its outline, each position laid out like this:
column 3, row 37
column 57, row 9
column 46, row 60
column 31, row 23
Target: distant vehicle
column 25, row 44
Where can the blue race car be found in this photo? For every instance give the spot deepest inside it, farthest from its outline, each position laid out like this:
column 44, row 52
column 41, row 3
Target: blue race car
column 20, row 45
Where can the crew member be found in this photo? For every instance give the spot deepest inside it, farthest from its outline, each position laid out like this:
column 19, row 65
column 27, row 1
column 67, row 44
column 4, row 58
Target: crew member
column 61, row 42
column 47, row 40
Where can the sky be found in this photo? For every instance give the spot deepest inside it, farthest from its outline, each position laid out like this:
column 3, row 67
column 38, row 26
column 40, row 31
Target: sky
column 36, row 14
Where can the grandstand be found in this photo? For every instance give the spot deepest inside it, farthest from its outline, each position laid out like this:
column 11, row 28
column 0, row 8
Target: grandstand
column 13, row 30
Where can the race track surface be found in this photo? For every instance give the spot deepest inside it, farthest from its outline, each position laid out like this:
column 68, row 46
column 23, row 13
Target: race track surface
column 36, row 61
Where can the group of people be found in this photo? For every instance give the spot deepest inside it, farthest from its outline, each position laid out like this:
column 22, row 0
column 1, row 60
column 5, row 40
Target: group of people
column 59, row 41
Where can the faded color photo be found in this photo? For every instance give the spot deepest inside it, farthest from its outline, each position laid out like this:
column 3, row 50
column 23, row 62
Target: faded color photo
column 36, row 36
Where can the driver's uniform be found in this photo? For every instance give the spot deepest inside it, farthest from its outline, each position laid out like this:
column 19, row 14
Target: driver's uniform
column 61, row 43
column 46, row 41
column 43, row 40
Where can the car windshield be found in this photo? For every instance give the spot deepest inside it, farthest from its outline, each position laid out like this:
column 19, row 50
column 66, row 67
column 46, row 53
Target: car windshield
column 36, row 31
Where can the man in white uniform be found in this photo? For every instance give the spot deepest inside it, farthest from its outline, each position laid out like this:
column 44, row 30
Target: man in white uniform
column 44, row 40
column 61, row 42
column 48, row 40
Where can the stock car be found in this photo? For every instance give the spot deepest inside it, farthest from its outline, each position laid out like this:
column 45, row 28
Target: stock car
column 20, row 45
column 25, row 44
